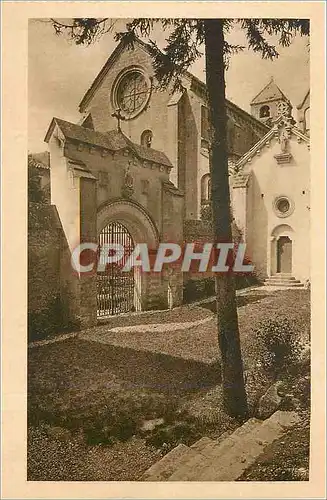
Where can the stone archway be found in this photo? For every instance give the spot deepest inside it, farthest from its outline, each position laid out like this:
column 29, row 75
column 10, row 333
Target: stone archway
column 133, row 216
column 281, row 249
column 133, row 221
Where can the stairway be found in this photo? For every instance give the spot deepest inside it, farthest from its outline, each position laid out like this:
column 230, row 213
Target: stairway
column 225, row 458
column 281, row 280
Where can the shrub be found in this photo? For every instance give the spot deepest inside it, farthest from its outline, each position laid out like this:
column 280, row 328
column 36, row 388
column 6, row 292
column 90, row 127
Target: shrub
column 50, row 321
column 197, row 289
column 278, row 345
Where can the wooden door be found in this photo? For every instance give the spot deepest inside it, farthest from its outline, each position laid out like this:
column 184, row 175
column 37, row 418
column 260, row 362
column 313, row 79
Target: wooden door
column 284, row 255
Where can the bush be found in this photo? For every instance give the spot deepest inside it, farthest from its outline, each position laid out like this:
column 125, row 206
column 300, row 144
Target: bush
column 279, row 346
column 104, row 418
column 198, row 289
column 47, row 322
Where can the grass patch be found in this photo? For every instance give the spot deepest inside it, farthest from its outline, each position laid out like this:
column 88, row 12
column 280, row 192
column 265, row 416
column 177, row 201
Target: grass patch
column 102, row 393
column 287, row 459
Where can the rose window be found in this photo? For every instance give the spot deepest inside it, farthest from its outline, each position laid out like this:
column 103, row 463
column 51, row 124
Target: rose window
column 283, row 206
column 132, row 93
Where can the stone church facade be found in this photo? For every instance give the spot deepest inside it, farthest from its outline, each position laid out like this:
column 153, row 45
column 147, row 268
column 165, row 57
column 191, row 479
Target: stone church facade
column 136, row 167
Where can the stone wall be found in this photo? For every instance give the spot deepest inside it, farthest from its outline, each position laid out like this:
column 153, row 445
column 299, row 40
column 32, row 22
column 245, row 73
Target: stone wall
column 58, row 300
column 46, row 314
column 88, row 221
column 197, row 286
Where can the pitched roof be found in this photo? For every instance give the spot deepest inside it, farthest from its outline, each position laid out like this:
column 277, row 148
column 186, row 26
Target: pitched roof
column 101, row 75
column 39, row 160
column 299, row 106
column 261, row 143
column 113, row 141
column 271, row 92
column 198, row 84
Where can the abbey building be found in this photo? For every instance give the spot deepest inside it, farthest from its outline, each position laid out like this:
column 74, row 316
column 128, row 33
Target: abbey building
column 136, row 169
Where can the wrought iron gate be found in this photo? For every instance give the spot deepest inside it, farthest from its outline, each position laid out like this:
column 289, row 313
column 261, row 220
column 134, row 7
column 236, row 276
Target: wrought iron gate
column 117, row 290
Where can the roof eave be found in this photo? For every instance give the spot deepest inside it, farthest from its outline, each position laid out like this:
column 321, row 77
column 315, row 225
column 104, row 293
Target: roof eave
column 98, row 79
column 229, row 103
column 299, row 106
column 251, row 153
column 51, row 127
column 269, row 100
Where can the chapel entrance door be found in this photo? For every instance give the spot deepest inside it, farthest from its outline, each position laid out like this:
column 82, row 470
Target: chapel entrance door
column 284, row 255
column 117, row 289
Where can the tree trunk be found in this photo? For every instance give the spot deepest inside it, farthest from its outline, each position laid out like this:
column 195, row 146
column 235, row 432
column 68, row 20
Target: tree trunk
column 234, row 394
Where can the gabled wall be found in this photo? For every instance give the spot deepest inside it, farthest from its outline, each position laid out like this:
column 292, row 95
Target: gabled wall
column 65, row 192
column 110, row 170
column 154, row 117
column 268, row 181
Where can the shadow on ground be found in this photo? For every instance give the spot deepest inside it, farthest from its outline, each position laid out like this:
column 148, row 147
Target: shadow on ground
column 72, row 363
column 241, row 300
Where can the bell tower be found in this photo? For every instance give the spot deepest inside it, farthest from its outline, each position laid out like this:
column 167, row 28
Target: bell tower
column 266, row 105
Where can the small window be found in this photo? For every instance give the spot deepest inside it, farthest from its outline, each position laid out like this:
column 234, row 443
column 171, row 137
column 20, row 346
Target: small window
column 283, row 206
column 145, row 186
column 264, row 112
column 146, row 138
column 103, row 178
column 204, row 124
column 206, row 188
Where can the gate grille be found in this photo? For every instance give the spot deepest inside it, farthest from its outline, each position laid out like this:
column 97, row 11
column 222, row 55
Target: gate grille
column 116, row 291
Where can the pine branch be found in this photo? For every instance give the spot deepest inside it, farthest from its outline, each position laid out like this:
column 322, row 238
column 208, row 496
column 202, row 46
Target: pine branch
column 83, row 31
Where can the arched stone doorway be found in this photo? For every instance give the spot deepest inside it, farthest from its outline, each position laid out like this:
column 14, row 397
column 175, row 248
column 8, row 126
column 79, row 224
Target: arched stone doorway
column 127, row 223
column 281, row 250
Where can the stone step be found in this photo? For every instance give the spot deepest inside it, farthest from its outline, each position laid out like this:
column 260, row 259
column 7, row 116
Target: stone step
column 220, row 445
column 229, row 462
column 164, row 468
column 201, row 444
column 271, row 280
column 282, row 277
column 283, row 283
column 206, row 443
column 212, row 450
column 277, row 278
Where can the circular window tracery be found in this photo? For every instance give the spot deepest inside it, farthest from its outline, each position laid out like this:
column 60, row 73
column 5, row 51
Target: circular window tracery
column 131, row 92
column 283, row 206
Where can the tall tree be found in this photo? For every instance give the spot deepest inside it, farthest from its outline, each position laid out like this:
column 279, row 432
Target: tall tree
column 227, row 321
column 184, row 41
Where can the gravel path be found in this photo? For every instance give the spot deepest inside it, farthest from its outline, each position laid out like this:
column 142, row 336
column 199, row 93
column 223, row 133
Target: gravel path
column 159, row 327
column 55, row 459
column 199, row 342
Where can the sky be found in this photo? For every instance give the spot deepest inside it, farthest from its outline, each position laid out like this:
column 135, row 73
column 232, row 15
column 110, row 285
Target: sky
column 59, row 74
